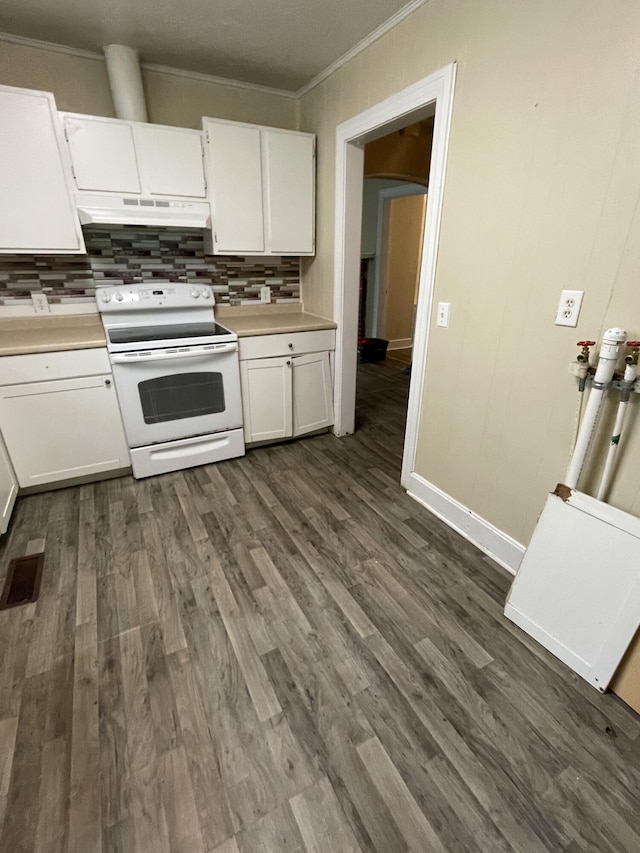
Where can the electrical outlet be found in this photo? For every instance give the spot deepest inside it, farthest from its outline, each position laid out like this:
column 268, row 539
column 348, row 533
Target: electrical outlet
column 569, row 307
column 265, row 293
column 40, row 302
column 444, row 309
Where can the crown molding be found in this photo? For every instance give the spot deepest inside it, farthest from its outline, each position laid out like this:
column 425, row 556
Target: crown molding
column 146, row 66
column 223, row 81
column 51, row 46
column 389, row 24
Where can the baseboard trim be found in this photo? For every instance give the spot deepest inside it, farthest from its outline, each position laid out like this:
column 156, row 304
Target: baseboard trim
column 400, row 343
column 493, row 542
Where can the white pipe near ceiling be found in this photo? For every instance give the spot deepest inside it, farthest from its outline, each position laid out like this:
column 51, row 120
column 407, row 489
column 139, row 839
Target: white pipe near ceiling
column 125, row 81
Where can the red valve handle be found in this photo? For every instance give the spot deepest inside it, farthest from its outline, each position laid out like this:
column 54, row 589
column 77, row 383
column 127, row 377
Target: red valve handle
column 586, row 343
column 633, row 343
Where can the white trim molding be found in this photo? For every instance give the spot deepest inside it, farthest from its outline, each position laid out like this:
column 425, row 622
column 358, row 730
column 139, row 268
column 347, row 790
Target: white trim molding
column 389, row 24
column 51, row 46
column 146, row 66
column 219, row 81
column 489, row 539
column 432, row 95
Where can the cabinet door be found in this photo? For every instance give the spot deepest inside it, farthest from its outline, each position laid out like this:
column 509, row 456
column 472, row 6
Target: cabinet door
column 289, row 181
column 312, row 393
column 170, row 161
column 235, row 187
column 266, row 398
column 103, row 155
column 37, row 213
column 8, row 487
column 62, row 429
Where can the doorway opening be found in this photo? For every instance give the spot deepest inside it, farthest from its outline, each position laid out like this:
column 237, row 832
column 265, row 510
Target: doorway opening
column 432, row 96
column 396, row 174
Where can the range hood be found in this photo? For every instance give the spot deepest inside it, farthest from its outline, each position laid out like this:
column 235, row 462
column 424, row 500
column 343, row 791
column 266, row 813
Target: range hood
column 125, row 80
column 127, row 210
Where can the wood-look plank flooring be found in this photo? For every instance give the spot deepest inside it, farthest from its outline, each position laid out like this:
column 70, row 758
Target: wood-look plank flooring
column 286, row 653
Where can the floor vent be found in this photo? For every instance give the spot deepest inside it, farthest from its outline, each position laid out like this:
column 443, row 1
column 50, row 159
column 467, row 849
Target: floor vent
column 23, row 581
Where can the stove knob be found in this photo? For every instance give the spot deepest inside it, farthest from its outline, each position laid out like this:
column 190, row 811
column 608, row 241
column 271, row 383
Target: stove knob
column 195, row 292
column 118, row 296
column 105, row 296
column 206, row 293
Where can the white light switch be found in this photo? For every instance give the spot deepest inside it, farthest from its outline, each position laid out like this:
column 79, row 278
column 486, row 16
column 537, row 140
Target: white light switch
column 444, row 309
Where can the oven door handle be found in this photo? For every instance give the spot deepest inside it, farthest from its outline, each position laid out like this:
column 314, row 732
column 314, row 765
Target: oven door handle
column 172, row 356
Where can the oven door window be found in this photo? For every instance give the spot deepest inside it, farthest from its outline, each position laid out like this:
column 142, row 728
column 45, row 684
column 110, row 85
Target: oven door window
column 181, row 395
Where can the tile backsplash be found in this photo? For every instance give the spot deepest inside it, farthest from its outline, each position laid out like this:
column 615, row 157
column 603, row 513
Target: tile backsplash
column 127, row 254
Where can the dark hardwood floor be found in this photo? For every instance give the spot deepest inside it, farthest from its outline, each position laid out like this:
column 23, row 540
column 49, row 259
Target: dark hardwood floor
column 286, row 653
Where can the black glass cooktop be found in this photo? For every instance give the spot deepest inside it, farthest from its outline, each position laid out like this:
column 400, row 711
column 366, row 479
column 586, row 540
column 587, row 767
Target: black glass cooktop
column 165, row 332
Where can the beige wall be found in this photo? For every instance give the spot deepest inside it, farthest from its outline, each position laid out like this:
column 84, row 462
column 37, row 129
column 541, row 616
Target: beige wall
column 542, row 192
column 81, row 85
column 78, row 85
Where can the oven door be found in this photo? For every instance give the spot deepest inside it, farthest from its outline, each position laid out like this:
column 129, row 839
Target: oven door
column 177, row 392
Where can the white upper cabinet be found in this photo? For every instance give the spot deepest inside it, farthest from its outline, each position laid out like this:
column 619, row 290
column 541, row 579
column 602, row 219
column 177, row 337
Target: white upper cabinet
column 262, row 189
column 37, row 213
column 103, row 155
column 170, row 160
column 289, row 179
column 111, row 155
column 235, row 179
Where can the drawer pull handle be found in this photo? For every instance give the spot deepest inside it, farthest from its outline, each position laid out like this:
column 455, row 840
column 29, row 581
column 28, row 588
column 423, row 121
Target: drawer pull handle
column 289, row 363
column 290, row 346
column 107, row 382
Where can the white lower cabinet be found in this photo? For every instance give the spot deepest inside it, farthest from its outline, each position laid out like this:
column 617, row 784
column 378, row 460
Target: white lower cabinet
column 8, row 487
column 312, row 392
column 288, row 392
column 59, row 416
column 266, row 398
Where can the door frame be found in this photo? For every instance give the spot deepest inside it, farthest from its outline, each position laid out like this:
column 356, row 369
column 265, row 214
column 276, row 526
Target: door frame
column 384, row 195
column 400, row 109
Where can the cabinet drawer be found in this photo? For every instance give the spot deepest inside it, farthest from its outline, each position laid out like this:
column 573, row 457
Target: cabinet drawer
column 296, row 343
column 42, row 366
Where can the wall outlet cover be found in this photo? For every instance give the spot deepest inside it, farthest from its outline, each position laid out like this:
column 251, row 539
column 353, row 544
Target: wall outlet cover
column 40, row 302
column 569, row 307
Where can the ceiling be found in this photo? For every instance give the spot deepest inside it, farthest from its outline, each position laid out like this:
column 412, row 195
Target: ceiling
column 277, row 43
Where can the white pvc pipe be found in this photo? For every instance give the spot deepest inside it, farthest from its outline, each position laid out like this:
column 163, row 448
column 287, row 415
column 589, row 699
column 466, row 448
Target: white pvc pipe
column 125, row 81
column 609, row 351
column 627, row 386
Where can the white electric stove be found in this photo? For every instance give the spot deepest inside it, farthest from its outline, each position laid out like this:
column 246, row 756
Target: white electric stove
column 176, row 373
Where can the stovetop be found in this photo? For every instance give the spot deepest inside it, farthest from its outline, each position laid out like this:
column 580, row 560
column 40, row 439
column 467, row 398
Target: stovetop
column 159, row 315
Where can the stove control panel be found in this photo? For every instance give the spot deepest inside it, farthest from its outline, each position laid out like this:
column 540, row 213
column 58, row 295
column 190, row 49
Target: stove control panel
column 143, row 296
